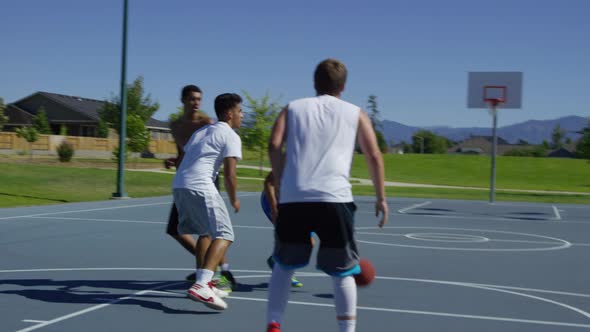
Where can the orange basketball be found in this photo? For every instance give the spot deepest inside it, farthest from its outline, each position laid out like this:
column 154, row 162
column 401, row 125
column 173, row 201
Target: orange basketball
column 367, row 274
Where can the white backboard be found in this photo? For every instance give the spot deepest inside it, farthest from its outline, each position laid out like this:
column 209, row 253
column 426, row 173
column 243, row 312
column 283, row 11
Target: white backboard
column 477, row 81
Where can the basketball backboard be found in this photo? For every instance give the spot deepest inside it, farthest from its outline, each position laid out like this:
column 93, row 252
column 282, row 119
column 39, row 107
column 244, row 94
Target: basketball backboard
column 506, row 87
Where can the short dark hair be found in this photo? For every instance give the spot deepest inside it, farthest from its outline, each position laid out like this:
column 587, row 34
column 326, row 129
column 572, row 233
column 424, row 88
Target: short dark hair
column 224, row 102
column 329, row 77
column 188, row 89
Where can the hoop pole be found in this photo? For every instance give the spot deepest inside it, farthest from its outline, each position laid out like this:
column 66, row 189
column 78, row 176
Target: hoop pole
column 120, row 194
column 494, row 152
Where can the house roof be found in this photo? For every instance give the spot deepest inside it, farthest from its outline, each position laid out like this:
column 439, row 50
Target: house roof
column 64, row 108
column 86, row 106
column 488, row 138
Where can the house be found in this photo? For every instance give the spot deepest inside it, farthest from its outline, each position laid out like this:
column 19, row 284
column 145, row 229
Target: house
column 481, row 145
column 566, row 151
column 79, row 115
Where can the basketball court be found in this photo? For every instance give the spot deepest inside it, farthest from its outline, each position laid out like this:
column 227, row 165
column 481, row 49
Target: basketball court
column 442, row 265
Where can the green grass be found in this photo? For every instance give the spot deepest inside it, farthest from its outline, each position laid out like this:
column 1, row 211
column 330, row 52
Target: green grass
column 557, row 174
column 24, row 185
column 35, row 184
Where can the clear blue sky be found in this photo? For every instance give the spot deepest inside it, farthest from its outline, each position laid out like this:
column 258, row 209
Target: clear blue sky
column 413, row 55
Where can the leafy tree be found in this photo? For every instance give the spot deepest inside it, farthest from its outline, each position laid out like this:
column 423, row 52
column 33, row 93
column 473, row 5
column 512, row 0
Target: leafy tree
column 406, row 148
column 30, row 134
column 557, row 137
column 176, row 115
column 568, row 140
column 41, row 123
column 536, row 151
column 583, row 145
column 63, row 130
column 137, row 104
column 102, row 129
column 381, row 142
column 3, row 117
column 546, row 144
column 258, row 123
column 139, row 136
column 432, row 143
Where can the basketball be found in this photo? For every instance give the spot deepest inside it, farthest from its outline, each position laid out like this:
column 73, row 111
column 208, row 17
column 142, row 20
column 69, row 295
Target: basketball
column 367, row 274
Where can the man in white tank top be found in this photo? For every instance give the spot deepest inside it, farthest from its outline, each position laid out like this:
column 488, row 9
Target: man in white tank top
column 319, row 135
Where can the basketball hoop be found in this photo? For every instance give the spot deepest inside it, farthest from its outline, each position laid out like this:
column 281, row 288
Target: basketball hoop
column 494, row 95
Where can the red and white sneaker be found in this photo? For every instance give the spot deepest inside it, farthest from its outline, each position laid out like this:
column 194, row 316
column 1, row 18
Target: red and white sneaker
column 273, row 327
column 219, row 292
column 206, row 295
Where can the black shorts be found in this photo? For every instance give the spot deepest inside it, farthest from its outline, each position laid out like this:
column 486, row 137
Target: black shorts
column 334, row 225
column 172, row 227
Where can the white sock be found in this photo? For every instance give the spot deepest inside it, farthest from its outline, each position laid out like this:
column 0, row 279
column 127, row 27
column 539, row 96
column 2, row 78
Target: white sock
column 345, row 302
column 347, row 325
column 225, row 267
column 204, row 276
column 278, row 294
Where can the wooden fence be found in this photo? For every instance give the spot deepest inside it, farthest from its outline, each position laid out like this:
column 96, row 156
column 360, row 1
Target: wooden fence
column 48, row 143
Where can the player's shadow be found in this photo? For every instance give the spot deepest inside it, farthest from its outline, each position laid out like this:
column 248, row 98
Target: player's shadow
column 101, row 292
column 324, row 296
column 246, row 288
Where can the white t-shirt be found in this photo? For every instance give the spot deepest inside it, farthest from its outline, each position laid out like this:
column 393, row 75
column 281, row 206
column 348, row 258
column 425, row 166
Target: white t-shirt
column 204, row 154
column 321, row 135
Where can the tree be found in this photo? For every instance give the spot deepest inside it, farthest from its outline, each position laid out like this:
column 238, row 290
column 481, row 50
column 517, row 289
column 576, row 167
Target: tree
column 381, row 142
column 102, row 130
column 258, row 123
column 30, row 134
column 41, row 123
column 583, row 145
column 137, row 104
column 176, row 115
column 373, row 112
column 376, row 122
column 557, row 137
column 3, row 117
column 139, row 136
column 428, row 140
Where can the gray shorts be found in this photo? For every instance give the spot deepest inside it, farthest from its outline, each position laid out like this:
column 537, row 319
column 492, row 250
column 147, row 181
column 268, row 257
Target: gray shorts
column 202, row 213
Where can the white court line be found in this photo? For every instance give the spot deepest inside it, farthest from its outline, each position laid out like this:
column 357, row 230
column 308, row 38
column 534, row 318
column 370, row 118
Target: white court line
column 96, row 307
column 137, row 221
column 411, row 207
column 85, row 210
column 481, row 218
column 33, row 321
column 108, row 208
column 556, row 211
column 105, row 220
column 416, row 312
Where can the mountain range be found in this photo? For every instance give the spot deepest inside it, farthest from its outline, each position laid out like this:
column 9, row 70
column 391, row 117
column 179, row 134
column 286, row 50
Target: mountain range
column 532, row 131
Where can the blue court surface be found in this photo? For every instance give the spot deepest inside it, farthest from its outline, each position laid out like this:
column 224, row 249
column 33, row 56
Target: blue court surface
column 442, row 265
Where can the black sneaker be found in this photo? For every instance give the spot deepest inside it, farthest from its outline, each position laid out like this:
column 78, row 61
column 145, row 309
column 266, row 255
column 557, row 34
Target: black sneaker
column 230, row 277
column 191, row 277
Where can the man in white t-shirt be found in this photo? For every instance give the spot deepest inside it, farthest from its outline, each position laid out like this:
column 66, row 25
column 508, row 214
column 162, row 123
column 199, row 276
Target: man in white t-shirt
column 201, row 209
column 319, row 135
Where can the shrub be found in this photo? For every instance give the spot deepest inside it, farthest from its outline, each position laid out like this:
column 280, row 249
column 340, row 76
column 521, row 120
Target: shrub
column 65, row 151
column 116, row 154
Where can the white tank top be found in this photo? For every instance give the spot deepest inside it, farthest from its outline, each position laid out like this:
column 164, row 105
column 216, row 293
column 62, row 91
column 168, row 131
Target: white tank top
column 321, row 135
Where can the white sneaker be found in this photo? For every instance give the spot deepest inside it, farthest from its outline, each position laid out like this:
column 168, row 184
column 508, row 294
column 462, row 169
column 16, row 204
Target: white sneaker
column 219, row 292
column 206, row 295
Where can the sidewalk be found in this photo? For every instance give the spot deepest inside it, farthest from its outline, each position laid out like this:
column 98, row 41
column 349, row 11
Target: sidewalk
column 367, row 182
